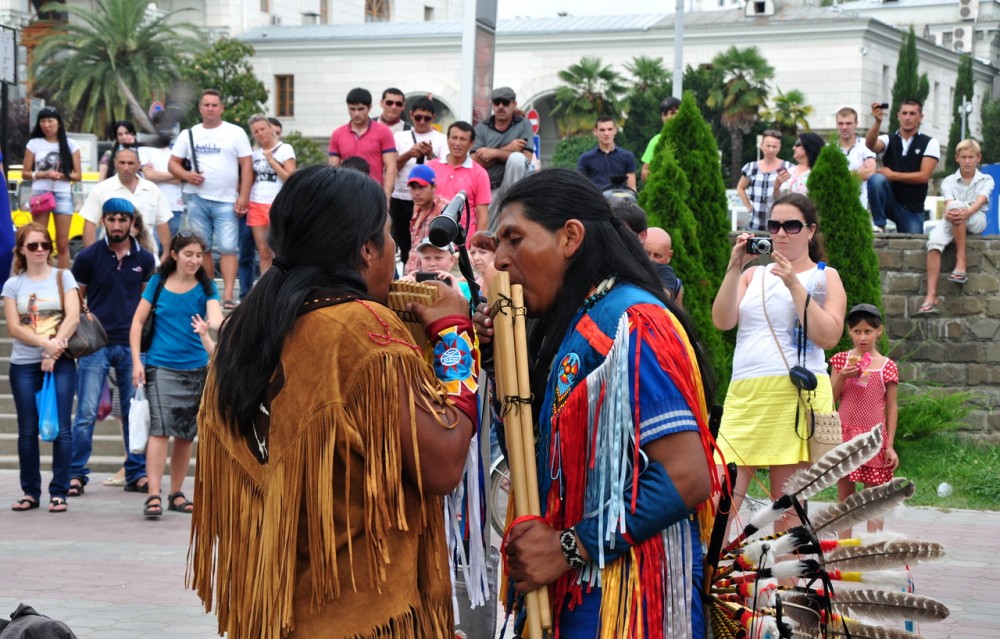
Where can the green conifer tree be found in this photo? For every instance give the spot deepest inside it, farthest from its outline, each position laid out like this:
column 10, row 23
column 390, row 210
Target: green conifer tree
column 963, row 92
column 665, row 200
column 908, row 85
column 698, row 157
column 847, row 229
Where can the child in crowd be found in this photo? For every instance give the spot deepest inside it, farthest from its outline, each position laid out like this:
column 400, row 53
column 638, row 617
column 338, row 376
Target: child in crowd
column 482, row 250
column 864, row 384
column 438, row 264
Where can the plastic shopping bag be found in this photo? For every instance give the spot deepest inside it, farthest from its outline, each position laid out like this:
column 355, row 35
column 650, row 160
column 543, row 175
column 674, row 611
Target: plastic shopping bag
column 104, row 403
column 48, row 409
column 138, row 422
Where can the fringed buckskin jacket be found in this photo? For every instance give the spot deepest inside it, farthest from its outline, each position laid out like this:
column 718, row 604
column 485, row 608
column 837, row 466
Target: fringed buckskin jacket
column 327, row 537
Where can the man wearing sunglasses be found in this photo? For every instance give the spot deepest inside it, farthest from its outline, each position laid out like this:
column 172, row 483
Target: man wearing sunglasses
column 392, row 110
column 419, row 145
column 504, row 145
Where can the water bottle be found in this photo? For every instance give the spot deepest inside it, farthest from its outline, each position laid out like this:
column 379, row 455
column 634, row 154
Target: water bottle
column 817, row 292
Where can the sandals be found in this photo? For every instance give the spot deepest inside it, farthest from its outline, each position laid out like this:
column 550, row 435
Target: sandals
column 23, row 504
column 114, row 481
column 230, row 305
column 76, row 487
column 958, row 277
column 58, row 505
column 928, row 308
column 185, row 506
column 151, row 510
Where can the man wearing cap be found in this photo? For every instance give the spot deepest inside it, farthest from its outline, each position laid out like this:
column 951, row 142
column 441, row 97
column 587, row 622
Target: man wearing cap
column 426, row 206
column 145, row 196
column 415, row 147
column 668, row 109
column 458, row 172
column 111, row 273
column 504, row 144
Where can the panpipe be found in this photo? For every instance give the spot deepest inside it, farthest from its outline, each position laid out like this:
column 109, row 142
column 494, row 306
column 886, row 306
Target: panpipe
column 402, row 293
column 510, row 359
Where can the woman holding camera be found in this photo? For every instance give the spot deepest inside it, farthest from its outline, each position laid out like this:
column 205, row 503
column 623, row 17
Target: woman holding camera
column 766, row 303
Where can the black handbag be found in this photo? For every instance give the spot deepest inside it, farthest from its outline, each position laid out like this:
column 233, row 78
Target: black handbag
column 90, row 335
column 149, row 328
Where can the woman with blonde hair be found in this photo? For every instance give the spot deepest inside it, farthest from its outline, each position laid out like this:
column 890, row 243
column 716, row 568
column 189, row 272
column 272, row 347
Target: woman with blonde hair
column 41, row 327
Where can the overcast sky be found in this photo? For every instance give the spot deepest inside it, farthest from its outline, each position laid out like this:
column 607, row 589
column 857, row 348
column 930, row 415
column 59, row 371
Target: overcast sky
column 549, row 8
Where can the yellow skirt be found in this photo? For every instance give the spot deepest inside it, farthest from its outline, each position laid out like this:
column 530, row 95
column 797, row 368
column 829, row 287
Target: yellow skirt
column 758, row 423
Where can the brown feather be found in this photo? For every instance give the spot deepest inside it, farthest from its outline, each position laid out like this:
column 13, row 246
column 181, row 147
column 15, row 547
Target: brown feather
column 867, row 504
column 835, row 464
column 886, row 605
column 883, row 555
column 860, row 630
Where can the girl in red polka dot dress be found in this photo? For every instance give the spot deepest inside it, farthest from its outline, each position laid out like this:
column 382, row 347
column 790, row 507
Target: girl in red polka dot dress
column 864, row 383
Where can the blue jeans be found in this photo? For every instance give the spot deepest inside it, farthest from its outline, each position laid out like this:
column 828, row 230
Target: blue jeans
column 215, row 222
column 25, row 381
column 174, row 224
column 247, row 265
column 90, row 378
column 883, row 205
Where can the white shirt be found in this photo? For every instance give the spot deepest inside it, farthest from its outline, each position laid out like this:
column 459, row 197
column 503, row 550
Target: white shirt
column 218, row 151
column 857, row 155
column 406, row 140
column 266, row 182
column 47, row 158
column 933, row 149
column 160, row 159
column 147, row 199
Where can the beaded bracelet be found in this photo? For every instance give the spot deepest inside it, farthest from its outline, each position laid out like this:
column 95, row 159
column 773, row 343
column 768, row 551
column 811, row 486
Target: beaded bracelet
column 567, row 540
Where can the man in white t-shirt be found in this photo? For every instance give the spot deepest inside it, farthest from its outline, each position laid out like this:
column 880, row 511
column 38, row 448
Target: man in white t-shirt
column 860, row 159
column 418, row 145
column 218, row 184
column 126, row 183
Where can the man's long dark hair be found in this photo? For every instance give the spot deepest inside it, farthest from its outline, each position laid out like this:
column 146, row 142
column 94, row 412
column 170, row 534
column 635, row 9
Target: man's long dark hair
column 320, row 221
column 550, row 198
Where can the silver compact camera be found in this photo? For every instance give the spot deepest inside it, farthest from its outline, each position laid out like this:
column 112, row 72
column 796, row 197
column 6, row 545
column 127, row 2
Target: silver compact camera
column 758, row 246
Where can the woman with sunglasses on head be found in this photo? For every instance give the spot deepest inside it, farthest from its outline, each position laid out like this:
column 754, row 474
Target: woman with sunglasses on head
column 40, row 326
column 805, row 152
column 766, row 303
column 124, row 134
column 174, row 370
column 51, row 162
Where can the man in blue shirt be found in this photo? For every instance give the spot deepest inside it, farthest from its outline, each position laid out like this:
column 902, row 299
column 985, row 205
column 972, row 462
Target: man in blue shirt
column 111, row 273
column 607, row 164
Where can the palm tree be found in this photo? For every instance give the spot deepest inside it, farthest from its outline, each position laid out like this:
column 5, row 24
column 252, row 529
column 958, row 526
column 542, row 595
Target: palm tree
column 590, row 91
column 745, row 74
column 789, row 112
column 648, row 73
column 112, row 57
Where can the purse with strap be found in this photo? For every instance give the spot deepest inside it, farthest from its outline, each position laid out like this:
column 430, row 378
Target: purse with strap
column 825, row 431
column 149, row 328
column 90, row 335
column 42, row 203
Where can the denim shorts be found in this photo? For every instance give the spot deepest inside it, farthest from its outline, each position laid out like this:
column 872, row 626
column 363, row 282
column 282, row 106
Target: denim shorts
column 216, row 222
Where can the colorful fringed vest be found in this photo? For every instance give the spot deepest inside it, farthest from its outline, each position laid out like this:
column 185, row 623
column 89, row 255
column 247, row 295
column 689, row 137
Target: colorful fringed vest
column 589, row 460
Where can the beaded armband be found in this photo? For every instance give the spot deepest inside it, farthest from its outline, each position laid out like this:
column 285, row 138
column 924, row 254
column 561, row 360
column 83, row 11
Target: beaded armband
column 456, row 361
column 567, row 540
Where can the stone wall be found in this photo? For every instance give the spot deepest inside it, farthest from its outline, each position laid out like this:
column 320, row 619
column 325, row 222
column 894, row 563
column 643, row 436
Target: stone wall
column 957, row 348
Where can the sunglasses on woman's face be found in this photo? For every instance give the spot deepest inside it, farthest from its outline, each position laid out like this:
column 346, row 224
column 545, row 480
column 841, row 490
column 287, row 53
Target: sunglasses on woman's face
column 34, row 246
column 792, row 227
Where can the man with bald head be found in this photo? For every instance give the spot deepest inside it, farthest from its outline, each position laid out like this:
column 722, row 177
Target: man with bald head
column 659, row 248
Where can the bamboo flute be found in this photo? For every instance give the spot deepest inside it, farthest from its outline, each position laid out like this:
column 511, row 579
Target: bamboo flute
column 528, row 427
column 506, row 379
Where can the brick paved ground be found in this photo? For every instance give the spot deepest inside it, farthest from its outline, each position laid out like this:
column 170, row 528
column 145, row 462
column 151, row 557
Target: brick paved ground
column 110, row 574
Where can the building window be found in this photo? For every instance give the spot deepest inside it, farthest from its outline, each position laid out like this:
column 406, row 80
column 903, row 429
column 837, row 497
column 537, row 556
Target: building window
column 324, row 11
column 284, row 95
column 429, row 14
column 946, row 39
column 265, row 6
column 376, row 10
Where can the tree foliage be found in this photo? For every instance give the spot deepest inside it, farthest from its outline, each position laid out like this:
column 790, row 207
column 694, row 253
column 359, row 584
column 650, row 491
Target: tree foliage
column 964, row 88
column 111, row 61
column 589, row 90
column 651, row 84
column 307, row 152
column 909, row 84
column 991, row 130
column 665, row 200
column 847, row 230
column 568, row 150
column 790, row 112
column 741, row 95
column 226, row 66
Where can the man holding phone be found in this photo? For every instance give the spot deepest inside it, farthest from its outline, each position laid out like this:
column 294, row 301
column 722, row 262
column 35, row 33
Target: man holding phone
column 897, row 190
